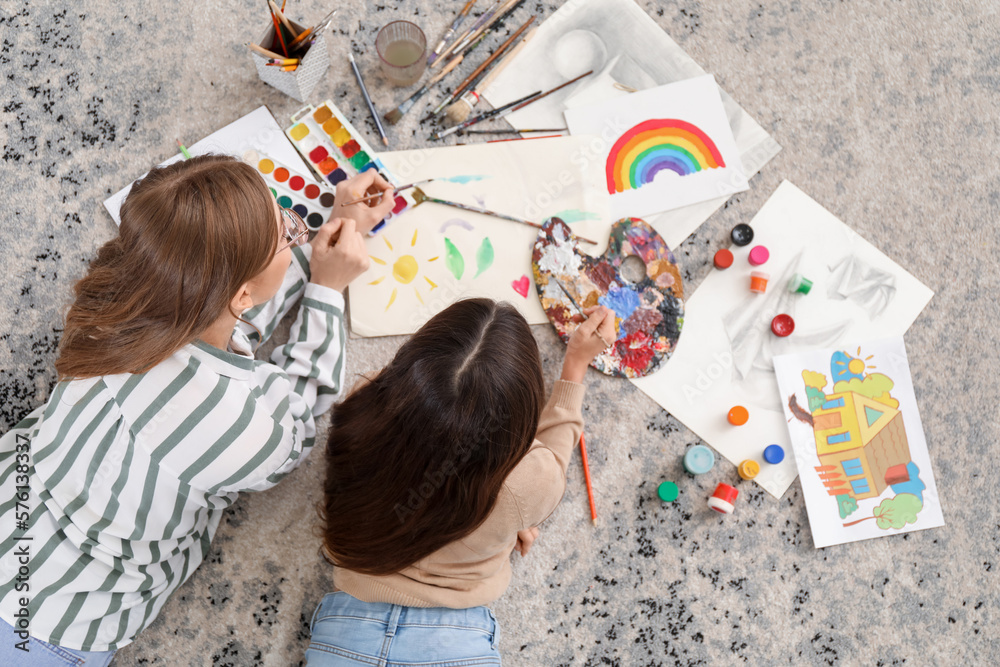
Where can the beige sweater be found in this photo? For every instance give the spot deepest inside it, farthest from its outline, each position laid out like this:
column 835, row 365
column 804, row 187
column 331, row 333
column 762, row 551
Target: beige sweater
column 476, row 570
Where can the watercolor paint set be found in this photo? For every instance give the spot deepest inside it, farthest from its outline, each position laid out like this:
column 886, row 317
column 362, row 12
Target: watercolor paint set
column 298, row 192
column 335, row 150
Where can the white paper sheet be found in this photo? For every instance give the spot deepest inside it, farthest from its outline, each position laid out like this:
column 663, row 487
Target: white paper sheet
column 725, row 353
column 624, row 45
column 257, row 130
column 664, row 147
column 863, row 459
column 416, row 257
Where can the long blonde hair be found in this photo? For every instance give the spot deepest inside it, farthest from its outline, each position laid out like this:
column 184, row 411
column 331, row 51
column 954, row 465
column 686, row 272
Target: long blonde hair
column 192, row 233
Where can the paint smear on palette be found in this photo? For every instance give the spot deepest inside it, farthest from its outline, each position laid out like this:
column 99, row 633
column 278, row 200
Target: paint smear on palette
column 455, row 222
column 453, row 260
column 484, row 256
column 559, row 257
column 649, row 309
column 575, row 215
column 461, row 179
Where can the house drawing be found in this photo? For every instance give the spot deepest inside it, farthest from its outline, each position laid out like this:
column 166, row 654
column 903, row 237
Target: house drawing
column 861, row 444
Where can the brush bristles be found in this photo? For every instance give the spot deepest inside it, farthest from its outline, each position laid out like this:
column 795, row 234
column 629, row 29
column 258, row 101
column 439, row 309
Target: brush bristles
column 392, row 117
column 458, row 112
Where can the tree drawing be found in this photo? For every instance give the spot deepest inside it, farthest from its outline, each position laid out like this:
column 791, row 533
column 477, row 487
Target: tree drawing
column 847, row 506
column 894, row 512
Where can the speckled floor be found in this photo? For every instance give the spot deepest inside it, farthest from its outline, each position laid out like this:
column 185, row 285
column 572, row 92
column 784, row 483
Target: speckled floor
column 887, row 112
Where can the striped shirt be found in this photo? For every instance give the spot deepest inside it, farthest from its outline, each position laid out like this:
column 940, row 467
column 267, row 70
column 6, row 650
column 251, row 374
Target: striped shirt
column 129, row 474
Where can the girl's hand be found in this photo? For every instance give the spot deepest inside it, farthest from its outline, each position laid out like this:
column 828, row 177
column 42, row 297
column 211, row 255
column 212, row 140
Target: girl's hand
column 525, row 538
column 369, row 213
column 590, row 339
column 339, row 254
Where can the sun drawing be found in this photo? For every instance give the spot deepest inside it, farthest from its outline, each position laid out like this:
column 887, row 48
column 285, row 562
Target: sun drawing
column 404, row 271
column 846, row 367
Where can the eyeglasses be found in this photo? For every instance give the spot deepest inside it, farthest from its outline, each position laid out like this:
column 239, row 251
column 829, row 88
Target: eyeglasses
column 294, row 228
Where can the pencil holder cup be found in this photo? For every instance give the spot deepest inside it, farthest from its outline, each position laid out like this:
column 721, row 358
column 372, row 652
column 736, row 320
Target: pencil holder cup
column 300, row 83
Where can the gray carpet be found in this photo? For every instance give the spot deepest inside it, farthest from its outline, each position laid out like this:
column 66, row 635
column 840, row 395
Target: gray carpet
column 887, row 112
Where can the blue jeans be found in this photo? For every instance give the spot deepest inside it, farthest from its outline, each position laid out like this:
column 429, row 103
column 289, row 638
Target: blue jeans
column 347, row 632
column 44, row 654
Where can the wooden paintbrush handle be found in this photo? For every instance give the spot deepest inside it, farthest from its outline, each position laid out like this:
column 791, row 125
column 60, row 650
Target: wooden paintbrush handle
column 489, row 61
column 495, row 72
column 452, row 64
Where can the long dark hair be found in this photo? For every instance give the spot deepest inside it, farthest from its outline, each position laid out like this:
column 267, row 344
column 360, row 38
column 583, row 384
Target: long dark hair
column 417, row 456
column 191, row 234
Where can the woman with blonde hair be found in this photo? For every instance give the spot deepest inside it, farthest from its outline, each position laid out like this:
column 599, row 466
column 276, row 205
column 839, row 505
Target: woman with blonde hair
column 111, row 492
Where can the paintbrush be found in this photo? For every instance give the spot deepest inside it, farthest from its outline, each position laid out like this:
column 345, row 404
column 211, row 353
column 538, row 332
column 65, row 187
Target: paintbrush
column 557, row 88
column 483, row 18
column 582, row 318
column 420, row 197
column 511, row 131
column 508, row 109
column 297, row 42
column 470, row 80
column 492, row 24
column 459, row 110
column 394, row 191
column 368, row 99
column 450, row 32
column 396, row 114
column 495, row 113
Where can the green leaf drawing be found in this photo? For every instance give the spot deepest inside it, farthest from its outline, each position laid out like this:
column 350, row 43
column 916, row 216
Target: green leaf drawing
column 484, row 256
column 453, row 259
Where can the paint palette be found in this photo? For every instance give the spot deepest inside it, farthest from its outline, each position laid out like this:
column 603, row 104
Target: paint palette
column 335, row 150
column 637, row 278
column 298, row 192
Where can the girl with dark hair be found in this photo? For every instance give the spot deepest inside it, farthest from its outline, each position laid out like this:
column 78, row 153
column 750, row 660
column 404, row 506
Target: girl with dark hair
column 161, row 415
column 437, row 469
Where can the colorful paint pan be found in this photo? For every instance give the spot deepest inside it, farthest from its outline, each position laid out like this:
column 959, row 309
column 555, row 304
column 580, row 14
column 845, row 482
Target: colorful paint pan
column 335, row 150
column 298, row 192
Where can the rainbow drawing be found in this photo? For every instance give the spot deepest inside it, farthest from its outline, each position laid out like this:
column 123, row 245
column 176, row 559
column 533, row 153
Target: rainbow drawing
column 655, row 145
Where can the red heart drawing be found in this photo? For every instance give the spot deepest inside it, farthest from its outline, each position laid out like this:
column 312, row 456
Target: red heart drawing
column 521, row 286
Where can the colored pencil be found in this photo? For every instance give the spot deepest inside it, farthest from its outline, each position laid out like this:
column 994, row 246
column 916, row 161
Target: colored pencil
column 368, row 99
column 451, row 31
column 420, row 197
column 586, row 477
column 282, row 61
column 184, row 150
column 277, row 31
column 284, row 19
